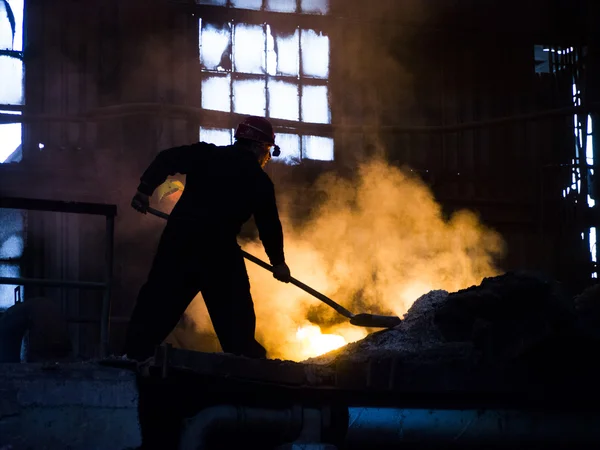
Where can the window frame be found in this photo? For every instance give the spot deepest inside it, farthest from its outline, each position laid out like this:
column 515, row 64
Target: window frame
column 16, row 108
column 263, row 7
column 230, row 119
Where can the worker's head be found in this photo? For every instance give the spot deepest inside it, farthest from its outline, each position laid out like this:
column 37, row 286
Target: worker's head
column 256, row 133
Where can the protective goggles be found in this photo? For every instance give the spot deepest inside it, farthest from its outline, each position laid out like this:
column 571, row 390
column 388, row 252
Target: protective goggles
column 276, row 150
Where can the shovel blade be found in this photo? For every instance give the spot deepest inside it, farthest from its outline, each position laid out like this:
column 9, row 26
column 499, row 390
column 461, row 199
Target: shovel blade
column 375, row 321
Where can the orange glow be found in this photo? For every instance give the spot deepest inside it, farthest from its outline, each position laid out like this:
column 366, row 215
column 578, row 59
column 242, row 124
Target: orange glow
column 375, row 244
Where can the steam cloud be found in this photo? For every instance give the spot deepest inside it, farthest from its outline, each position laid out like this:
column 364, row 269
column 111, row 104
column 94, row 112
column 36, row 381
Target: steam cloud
column 377, row 241
column 375, row 244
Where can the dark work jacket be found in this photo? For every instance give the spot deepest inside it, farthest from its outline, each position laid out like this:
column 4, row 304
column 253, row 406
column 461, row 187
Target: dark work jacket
column 224, row 187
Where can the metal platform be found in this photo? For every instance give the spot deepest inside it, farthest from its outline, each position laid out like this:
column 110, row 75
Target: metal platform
column 394, row 381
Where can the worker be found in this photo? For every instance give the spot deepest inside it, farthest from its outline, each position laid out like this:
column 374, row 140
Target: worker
column 198, row 250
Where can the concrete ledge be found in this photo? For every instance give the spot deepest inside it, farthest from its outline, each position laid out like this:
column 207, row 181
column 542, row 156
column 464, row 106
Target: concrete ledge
column 74, row 406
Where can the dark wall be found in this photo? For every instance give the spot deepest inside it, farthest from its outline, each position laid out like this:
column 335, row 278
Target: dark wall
column 111, row 83
column 435, row 89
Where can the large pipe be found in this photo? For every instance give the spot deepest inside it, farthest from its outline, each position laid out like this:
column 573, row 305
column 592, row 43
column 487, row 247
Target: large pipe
column 385, row 427
column 282, row 425
column 378, row 428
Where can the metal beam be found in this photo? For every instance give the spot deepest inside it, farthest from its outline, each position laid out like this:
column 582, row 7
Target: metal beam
column 108, row 276
column 32, row 204
column 53, row 283
column 119, row 111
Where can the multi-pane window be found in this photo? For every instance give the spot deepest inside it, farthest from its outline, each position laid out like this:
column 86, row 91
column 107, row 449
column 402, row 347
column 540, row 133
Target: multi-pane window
column 271, row 70
column 11, row 74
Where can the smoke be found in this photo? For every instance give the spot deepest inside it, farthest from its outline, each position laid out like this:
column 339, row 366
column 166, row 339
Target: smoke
column 374, row 244
column 376, row 240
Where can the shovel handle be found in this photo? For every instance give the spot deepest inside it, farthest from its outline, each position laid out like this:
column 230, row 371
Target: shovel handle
column 339, row 308
column 157, row 213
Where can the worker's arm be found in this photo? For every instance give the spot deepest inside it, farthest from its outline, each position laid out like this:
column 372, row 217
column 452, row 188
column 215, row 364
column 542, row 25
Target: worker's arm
column 170, row 162
column 267, row 220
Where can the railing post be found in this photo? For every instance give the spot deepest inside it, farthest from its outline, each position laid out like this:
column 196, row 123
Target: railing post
column 108, row 275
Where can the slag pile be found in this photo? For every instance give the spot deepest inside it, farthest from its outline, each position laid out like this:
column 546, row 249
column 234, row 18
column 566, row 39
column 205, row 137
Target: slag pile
column 519, row 326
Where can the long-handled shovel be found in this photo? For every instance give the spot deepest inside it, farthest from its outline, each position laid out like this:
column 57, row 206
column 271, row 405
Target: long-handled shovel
column 361, row 320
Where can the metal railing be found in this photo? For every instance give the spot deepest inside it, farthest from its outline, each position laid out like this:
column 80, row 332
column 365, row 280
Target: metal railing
column 108, row 211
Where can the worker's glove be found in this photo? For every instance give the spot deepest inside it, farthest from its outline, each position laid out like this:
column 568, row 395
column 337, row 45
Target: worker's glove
column 282, row 272
column 140, row 202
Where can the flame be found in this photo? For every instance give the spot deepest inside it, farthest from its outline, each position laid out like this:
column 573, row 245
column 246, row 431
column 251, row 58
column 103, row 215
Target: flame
column 170, row 188
column 314, row 343
column 168, row 194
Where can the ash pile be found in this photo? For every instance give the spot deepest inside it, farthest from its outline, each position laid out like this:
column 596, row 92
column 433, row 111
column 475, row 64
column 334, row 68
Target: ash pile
column 518, row 331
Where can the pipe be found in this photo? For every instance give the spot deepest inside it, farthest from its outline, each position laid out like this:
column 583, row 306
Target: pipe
column 373, row 428
column 386, row 427
column 282, row 424
column 108, row 279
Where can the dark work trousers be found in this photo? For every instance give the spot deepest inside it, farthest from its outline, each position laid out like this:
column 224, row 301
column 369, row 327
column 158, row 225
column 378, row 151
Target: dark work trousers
column 192, row 258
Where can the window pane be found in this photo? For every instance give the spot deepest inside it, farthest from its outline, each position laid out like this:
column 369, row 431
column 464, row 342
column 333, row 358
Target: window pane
column 249, row 97
column 315, row 54
column 246, row 4
column 12, row 224
column 317, row 148
column 6, row 38
column 315, row 106
column 12, row 247
column 7, row 291
column 249, row 48
column 283, row 100
column 10, row 140
column 271, row 53
column 217, row 136
column 11, row 87
column 290, row 148
column 212, row 2
column 315, row 6
column 215, row 93
column 281, row 5
column 214, row 46
column 284, row 53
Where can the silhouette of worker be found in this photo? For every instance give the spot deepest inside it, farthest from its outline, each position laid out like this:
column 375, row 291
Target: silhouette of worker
column 198, row 250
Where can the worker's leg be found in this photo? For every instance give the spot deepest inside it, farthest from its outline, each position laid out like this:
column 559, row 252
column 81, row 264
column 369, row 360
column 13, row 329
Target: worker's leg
column 171, row 286
column 226, row 292
column 164, row 297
